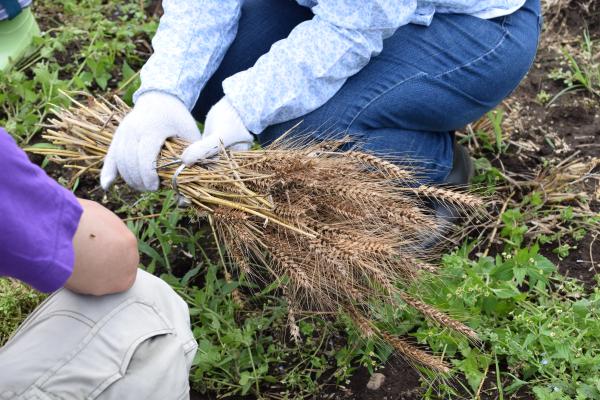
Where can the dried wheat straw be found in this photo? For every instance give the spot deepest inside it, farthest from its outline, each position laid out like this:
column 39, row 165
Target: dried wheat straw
column 340, row 227
column 438, row 316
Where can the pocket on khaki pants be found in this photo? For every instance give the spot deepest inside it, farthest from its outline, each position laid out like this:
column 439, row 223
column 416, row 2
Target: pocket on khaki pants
column 131, row 352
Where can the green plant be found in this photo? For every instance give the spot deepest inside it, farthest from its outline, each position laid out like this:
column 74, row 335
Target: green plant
column 496, row 116
column 542, row 325
column 244, row 347
column 543, row 97
column 16, row 302
column 166, row 234
column 488, row 132
column 68, row 58
column 583, row 71
column 487, row 176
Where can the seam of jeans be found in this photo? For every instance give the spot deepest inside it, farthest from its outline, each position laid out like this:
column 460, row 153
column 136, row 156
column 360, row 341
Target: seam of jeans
column 539, row 38
column 420, row 74
column 537, row 47
column 507, row 33
column 417, row 75
column 490, row 51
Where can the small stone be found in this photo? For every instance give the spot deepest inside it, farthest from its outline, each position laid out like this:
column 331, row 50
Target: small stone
column 376, row 381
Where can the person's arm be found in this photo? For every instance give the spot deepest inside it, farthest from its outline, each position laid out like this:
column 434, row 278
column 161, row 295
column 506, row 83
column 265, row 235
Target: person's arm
column 48, row 238
column 106, row 253
column 190, row 42
column 303, row 71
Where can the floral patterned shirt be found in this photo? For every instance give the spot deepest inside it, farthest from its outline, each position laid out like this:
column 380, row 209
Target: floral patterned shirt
column 299, row 73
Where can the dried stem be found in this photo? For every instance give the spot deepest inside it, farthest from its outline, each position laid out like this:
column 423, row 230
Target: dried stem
column 340, row 226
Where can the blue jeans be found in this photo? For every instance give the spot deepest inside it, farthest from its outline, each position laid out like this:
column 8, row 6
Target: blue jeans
column 407, row 102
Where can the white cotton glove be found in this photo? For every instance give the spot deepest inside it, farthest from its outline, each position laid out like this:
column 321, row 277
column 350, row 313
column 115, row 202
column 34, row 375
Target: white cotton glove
column 223, row 125
column 140, row 136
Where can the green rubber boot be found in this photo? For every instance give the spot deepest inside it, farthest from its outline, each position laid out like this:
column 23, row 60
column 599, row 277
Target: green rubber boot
column 16, row 36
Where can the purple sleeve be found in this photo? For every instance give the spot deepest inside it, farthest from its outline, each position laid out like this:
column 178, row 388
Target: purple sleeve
column 38, row 219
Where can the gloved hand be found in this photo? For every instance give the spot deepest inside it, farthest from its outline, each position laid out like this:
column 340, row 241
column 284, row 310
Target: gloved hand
column 223, row 125
column 140, row 136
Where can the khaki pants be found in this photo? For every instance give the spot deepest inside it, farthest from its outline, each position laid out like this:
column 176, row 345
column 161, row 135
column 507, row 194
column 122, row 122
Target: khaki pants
column 132, row 345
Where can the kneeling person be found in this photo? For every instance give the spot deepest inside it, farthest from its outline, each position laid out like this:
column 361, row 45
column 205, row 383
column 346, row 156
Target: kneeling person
column 109, row 330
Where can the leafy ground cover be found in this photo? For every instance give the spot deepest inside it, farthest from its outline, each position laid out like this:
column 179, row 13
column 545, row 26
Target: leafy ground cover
column 526, row 280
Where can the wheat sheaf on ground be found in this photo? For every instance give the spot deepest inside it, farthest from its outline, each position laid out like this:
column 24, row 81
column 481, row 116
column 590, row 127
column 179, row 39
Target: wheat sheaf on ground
column 338, row 228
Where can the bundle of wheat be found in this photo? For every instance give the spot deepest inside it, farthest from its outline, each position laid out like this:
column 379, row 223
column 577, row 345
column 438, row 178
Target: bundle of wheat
column 339, row 229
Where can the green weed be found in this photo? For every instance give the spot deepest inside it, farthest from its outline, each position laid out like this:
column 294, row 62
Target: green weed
column 492, row 140
column 245, row 349
column 95, row 47
column 583, row 70
column 540, row 325
column 543, row 97
column 16, row 302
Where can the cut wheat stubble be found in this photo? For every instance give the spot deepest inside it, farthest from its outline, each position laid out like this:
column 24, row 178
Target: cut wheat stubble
column 338, row 228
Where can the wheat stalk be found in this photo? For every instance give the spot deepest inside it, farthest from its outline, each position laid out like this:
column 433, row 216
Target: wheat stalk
column 340, row 227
